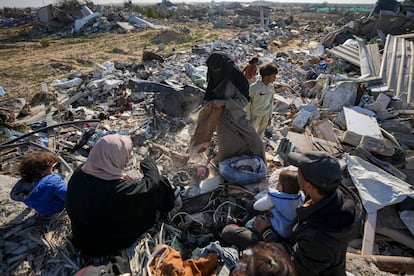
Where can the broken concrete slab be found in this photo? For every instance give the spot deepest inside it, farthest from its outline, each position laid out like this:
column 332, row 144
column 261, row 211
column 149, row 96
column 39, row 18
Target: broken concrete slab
column 339, row 95
column 324, row 129
column 301, row 118
column 381, row 103
column 409, row 163
column 359, row 125
column 48, row 14
column 378, row 146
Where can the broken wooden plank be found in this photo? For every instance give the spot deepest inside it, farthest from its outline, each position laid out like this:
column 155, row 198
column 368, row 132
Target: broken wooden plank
column 305, row 143
column 325, row 145
column 49, row 120
column 368, row 239
column 406, row 111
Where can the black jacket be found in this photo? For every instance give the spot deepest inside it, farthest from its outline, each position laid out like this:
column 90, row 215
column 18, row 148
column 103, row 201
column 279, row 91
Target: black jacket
column 108, row 215
column 323, row 232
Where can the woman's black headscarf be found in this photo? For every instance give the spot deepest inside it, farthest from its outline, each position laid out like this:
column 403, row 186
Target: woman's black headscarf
column 220, row 67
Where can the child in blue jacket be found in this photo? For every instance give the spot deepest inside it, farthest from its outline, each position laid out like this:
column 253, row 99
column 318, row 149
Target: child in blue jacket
column 281, row 203
column 40, row 188
column 279, row 206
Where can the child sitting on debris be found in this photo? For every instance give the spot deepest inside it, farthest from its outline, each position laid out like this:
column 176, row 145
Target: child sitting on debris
column 40, row 188
column 265, row 259
column 280, row 207
column 281, row 203
column 250, row 70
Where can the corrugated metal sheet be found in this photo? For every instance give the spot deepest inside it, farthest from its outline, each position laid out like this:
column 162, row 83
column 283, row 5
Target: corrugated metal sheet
column 367, row 55
column 397, row 67
column 347, row 52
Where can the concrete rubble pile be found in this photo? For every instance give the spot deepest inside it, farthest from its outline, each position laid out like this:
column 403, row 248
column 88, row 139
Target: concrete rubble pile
column 346, row 102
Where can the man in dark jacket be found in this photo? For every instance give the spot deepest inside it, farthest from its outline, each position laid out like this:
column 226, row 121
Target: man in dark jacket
column 327, row 221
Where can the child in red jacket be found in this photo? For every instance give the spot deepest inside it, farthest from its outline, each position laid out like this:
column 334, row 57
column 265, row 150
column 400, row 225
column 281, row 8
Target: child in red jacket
column 250, row 71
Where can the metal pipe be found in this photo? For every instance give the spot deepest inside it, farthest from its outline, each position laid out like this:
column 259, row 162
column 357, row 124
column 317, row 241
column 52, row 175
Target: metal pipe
column 49, row 127
column 61, row 160
column 384, row 63
column 394, row 264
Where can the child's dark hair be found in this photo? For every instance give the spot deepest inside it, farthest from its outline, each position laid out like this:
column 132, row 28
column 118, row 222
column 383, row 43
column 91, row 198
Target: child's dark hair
column 35, row 165
column 268, row 69
column 269, row 259
column 289, row 181
column 254, row 60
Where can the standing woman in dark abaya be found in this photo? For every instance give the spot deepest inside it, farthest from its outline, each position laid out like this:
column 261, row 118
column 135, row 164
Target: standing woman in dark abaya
column 228, row 91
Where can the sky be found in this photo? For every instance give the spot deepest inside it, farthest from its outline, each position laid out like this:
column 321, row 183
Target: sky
column 40, row 3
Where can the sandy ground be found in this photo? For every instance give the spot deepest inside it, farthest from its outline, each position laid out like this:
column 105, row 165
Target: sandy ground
column 11, row 212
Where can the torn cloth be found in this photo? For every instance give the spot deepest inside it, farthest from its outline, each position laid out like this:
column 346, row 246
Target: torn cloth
column 229, row 255
column 207, row 121
column 168, row 261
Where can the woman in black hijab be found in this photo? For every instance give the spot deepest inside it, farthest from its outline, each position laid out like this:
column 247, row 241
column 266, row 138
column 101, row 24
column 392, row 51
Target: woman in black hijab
column 221, row 67
column 228, row 92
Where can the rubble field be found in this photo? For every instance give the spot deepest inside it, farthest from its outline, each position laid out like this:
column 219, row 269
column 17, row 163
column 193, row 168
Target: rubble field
column 68, row 76
column 26, row 64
